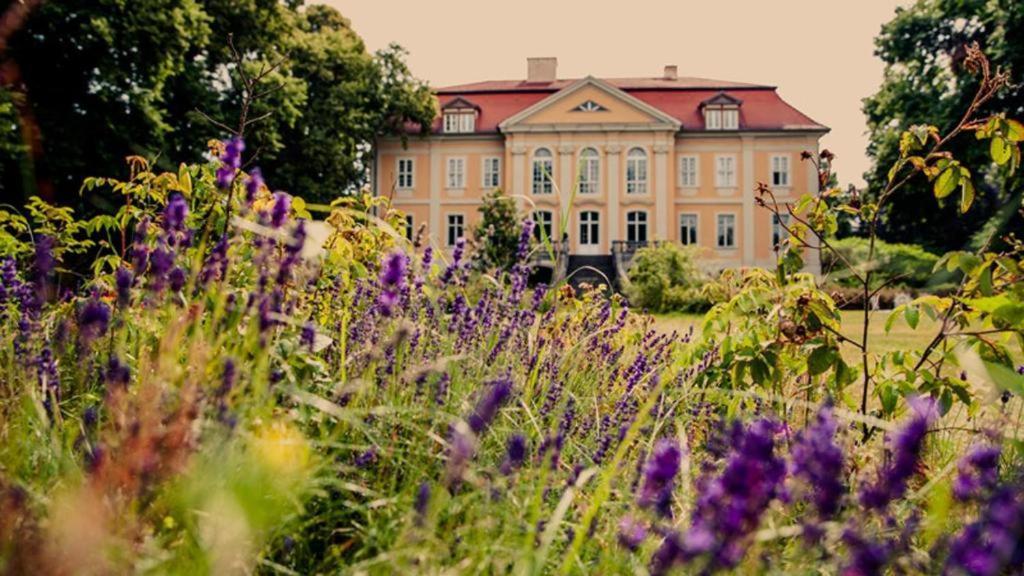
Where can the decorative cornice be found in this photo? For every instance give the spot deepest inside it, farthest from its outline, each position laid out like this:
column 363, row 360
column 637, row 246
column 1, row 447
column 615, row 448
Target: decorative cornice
column 661, row 148
column 566, row 149
column 613, row 149
column 518, row 150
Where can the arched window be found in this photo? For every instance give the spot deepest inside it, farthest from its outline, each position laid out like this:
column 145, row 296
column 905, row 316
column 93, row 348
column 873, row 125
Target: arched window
column 636, row 171
column 590, row 171
column 543, row 171
column 542, row 231
column 636, row 227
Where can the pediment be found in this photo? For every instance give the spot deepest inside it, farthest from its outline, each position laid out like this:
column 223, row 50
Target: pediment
column 588, row 104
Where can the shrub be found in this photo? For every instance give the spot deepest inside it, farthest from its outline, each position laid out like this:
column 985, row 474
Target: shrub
column 910, row 265
column 666, row 278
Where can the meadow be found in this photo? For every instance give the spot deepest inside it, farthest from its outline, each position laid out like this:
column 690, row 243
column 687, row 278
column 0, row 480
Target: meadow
column 220, row 379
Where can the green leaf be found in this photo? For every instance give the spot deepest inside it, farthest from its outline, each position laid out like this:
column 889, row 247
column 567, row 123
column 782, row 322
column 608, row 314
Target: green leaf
column 1014, row 130
column 967, row 195
column 913, row 316
column 1000, row 149
column 947, row 181
column 820, row 360
column 892, row 317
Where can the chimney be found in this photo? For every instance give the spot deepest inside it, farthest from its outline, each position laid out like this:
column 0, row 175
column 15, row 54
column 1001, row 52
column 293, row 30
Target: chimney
column 671, row 72
column 541, row 69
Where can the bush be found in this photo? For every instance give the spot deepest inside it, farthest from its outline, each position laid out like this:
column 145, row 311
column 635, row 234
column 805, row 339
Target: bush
column 912, row 264
column 665, row 278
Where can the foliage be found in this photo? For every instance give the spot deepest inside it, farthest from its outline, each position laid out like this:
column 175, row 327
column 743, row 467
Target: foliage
column 322, row 101
column 666, row 278
column 893, row 264
column 498, row 231
column 927, row 82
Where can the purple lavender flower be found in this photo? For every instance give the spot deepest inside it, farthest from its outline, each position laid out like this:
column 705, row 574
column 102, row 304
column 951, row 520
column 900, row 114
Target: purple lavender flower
column 49, row 379
column 816, row 459
column 124, row 279
column 659, row 476
column 308, row 336
column 175, row 213
column 216, row 265
column 670, row 552
column 392, row 280
column 867, row 557
column 282, row 206
column 367, row 457
column 631, row 533
column 451, row 272
column 994, row 543
column 45, row 263
column 93, row 319
column 488, row 405
column 176, row 278
column 523, row 248
column 422, row 502
column 117, row 373
column 977, row 472
column 907, row 446
column 231, row 161
column 253, row 185
column 515, row 454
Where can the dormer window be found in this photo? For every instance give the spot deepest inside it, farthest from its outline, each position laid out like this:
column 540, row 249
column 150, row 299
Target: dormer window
column 459, row 122
column 721, row 112
column 459, row 116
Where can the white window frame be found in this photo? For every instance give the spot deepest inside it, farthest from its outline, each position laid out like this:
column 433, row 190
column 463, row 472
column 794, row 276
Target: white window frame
column 694, row 181
column 450, row 226
column 693, row 230
column 723, row 179
column 779, row 233
column 491, row 172
column 590, row 171
column 545, row 185
column 636, row 221
column 543, row 219
column 719, row 229
column 451, row 182
column 780, row 166
column 712, row 118
column 459, row 122
column 590, row 228
column 637, row 171
column 730, row 119
column 401, row 175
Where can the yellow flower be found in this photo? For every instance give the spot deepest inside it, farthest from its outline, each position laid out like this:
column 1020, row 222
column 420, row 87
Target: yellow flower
column 282, row 449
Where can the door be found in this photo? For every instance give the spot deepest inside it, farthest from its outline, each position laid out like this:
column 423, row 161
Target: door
column 589, row 240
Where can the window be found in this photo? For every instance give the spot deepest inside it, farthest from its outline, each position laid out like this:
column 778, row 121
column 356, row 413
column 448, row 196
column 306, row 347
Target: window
column 636, row 226
column 725, row 177
column 543, row 229
column 456, row 173
column 688, row 172
column 688, row 229
column 730, row 119
column 456, row 225
column 492, row 172
column 408, row 226
column 589, row 106
column 459, row 122
column 726, row 230
column 713, row 119
column 590, row 171
column 636, row 171
column 590, row 233
column 406, row 168
column 780, row 171
column 543, row 171
column 779, row 229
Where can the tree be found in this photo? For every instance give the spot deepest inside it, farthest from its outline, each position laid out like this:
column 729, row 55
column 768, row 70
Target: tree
column 498, row 231
column 104, row 79
column 925, row 83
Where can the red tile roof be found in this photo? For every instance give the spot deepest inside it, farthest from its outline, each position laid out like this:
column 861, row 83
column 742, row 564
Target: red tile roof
column 762, row 109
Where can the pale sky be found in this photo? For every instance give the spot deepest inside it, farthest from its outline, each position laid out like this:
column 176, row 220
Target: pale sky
column 820, row 54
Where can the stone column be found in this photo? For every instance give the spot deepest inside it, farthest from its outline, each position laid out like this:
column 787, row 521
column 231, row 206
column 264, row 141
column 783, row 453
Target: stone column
column 749, row 238
column 436, row 231
column 566, row 171
column 661, row 192
column 613, row 156
column 519, row 180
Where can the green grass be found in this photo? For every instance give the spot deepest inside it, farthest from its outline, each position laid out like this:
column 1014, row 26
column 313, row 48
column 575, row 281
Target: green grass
column 901, row 337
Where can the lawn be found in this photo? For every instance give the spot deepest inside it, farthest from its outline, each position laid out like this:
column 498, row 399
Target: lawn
column 901, row 337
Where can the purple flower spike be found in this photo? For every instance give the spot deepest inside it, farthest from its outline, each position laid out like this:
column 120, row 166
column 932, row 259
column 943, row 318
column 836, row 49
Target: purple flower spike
column 93, row 319
column 44, row 259
column 231, row 161
column 977, row 472
column 907, row 446
column 282, row 206
column 515, row 454
column 631, row 533
column 422, row 501
column 175, row 213
column 487, row 407
column 818, row 461
column 253, row 185
column 659, row 476
column 392, row 279
column 124, row 279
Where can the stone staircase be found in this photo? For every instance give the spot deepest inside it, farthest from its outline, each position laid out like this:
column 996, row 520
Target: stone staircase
column 592, row 270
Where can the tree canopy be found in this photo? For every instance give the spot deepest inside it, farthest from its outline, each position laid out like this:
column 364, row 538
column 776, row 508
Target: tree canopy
column 923, row 48
column 98, row 80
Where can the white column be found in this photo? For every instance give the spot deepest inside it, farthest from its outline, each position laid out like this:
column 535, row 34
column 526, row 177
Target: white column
column 566, row 174
column 613, row 156
column 519, row 189
column 749, row 238
column 661, row 196
column 436, row 232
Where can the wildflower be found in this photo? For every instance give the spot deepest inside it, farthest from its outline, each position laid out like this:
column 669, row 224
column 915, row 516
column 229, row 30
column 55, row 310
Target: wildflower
column 422, row 501
column 253, row 185
column 867, row 557
column 49, row 379
column 231, row 161
column 44, row 260
column 392, row 278
column 515, row 454
column 442, row 389
column 124, row 279
column 670, row 551
column 279, row 211
column 117, row 373
column 216, row 264
column 818, row 461
column 992, row 544
column 659, row 476
column 487, row 406
column 450, row 273
column 367, row 457
column 977, row 472
column 175, row 213
column 308, row 336
column 631, row 533
column 93, row 319
column 176, row 278
column 908, row 444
